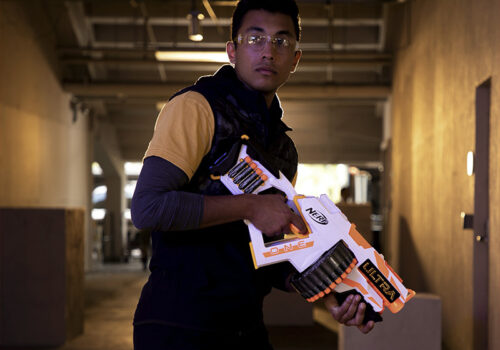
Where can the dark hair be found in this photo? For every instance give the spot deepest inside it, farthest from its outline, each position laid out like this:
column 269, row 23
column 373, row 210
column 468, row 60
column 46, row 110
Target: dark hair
column 286, row 7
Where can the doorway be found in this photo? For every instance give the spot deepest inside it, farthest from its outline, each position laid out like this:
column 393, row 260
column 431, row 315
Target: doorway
column 481, row 217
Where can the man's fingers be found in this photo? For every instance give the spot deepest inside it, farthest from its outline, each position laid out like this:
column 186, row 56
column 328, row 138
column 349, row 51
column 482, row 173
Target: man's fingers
column 352, row 303
column 350, row 313
column 333, row 307
column 298, row 225
column 359, row 316
column 339, row 312
column 365, row 328
column 330, row 302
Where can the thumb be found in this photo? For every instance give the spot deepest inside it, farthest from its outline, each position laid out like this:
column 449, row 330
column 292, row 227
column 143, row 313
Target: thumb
column 297, row 225
column 330, row 302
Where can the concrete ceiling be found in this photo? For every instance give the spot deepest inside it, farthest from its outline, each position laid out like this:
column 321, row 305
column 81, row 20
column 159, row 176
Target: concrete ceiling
column 333, row 102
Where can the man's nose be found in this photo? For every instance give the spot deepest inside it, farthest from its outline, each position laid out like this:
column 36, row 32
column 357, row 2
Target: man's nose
column 268, row 50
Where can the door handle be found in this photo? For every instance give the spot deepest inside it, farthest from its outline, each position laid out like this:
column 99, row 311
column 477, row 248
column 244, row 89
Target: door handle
column 467, row 221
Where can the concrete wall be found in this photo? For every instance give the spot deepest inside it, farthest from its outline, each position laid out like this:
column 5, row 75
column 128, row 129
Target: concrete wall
column 446, row 49
column 44, row 153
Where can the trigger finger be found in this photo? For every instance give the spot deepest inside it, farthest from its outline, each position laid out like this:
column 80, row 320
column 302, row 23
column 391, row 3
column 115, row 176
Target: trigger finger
column 298, row 225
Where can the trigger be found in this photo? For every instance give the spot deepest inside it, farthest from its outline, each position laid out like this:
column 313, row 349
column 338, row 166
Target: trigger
column 295, row 230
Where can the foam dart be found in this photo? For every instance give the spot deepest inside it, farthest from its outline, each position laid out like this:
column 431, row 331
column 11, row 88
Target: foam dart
column 245, row 183
column 252, row 183
column 256, row 184
column 242, row 176
column 235, row 170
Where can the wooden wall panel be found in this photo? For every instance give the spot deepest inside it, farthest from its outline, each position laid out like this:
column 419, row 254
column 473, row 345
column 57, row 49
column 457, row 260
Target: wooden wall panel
column 41, row 276
column 450, row 50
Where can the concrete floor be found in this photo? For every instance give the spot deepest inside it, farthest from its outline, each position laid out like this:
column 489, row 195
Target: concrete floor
column 111, row 294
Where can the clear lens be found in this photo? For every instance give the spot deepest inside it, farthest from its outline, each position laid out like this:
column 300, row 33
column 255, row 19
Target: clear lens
column 280, row 43
column 257, row 41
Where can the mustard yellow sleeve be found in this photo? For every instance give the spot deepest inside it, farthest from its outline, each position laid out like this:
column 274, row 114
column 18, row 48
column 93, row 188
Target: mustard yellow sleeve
column 294, row 181
column 183, row 132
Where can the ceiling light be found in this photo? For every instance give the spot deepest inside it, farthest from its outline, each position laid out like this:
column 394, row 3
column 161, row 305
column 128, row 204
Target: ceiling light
column 192, row 56
column 194, row 25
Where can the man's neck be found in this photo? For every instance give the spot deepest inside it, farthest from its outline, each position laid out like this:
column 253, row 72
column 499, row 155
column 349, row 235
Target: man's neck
column 269, row 97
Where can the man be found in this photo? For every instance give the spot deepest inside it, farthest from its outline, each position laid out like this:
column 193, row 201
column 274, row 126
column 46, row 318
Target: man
column 203, row 290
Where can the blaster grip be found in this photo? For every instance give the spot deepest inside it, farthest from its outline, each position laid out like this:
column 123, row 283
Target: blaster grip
column 370, row 314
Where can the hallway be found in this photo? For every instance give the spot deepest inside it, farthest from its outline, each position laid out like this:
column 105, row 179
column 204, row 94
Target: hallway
column 398, row 99
column 111, row 294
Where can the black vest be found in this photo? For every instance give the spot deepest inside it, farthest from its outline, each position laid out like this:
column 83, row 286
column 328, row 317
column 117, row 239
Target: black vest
column 205, row 278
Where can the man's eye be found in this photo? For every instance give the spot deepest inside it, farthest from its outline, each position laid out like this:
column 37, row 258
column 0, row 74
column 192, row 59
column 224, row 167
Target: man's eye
column 254, row 39
column 280, row 42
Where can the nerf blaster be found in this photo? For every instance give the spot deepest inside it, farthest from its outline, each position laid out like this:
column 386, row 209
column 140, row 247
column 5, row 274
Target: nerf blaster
column 331, row 256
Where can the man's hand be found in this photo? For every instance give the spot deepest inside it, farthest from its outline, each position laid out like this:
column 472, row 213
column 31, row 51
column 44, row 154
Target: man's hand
column 270, row 214
column 350, row 313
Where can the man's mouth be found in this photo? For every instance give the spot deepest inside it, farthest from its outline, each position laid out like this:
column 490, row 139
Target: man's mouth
column 266, row 70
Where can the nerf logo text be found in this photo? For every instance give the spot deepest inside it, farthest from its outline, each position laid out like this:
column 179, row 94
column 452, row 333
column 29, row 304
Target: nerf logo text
column 378, row 280
column 317, row 216
column 286, row 248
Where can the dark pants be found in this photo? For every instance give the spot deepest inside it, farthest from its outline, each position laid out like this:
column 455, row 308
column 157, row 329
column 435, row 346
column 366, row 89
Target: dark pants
column 163, row 337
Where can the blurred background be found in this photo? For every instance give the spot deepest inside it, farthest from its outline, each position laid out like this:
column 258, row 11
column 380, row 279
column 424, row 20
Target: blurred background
column 393, row 104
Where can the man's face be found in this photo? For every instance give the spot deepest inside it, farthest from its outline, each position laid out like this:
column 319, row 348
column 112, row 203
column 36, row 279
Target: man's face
column 264, row 67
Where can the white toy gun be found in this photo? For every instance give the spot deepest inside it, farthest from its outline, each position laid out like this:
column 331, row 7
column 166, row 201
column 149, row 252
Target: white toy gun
column 331, row 256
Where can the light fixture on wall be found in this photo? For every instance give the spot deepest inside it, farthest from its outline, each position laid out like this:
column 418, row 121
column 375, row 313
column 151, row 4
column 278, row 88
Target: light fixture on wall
column 194, row 25
column 76, row 107
column 470, row 163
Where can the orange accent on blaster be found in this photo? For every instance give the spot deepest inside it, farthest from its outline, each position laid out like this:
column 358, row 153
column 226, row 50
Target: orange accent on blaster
column 354, row 284
column 396, row 306
column 373, row 301
column 253, row 256
column 363, row 291
column 332, row 285
column 356, row 236
column 411, row 294
column 393, row 272
column 288, row 248
column 382, row 266
column 296, row 201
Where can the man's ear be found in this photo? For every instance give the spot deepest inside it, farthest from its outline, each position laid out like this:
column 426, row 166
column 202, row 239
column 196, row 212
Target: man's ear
column 231, row 51
column 298, row 55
